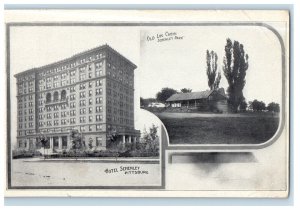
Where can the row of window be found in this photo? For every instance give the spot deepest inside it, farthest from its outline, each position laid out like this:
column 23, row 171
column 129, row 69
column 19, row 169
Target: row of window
column 115, row 119
column 24, row 98
column 30, row 125
column 54, row 81
column 25, row 90
column 26, row 78
column 72, row 65
column 24, row 111
column 64, row 122
column 30, row 118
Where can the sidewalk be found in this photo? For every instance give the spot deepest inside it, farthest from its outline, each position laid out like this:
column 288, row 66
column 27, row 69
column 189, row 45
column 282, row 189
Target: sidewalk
column 105, row 159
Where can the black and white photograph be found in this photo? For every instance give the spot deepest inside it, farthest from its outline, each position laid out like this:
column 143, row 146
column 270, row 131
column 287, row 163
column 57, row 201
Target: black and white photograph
column 216, row 85
column 75, row 107
column 147, row 103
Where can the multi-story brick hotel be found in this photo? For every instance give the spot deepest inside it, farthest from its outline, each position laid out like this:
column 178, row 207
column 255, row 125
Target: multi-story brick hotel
column 91, row 92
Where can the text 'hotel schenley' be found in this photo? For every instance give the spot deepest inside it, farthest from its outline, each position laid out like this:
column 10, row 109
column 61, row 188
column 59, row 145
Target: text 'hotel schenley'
column 91, row 92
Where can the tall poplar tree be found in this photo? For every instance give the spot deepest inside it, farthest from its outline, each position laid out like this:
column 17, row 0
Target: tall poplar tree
column 234, row 68
column 213, row 76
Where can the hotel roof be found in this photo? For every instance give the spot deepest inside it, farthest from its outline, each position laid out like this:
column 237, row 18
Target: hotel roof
column 75, row 56
column 192, row 95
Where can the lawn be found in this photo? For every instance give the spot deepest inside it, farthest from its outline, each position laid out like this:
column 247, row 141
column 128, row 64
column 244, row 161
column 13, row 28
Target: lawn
column 191, row 128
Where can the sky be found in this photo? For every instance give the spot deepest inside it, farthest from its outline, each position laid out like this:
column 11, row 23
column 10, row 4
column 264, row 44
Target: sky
column 175, row 63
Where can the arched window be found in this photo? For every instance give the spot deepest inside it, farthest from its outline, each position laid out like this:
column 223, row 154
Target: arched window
column 48, row 97
column 63, row 95
column 55, row 96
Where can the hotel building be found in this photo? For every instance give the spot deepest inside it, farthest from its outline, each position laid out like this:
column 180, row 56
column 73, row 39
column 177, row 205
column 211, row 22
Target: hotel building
column 91, row 92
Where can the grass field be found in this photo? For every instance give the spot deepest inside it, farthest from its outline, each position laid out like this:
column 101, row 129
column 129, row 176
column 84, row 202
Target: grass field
column 197, row 128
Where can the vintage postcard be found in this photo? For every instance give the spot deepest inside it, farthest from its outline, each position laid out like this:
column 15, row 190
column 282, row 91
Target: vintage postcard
column 147, row 103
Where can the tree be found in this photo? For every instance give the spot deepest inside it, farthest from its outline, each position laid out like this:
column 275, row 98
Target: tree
column 142, row 102
column 258, row 105
column 112, row 138
column 164, row 94
column 77, row 143
column 213, row 75
column 186, row 90
column 44, row 141
column 273, row 107
column 234, row 68
column 151, row 140
column 243, row 106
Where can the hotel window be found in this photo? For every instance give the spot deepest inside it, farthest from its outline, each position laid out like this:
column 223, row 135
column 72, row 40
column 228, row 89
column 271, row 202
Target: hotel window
column 90, row 118
column 72, row 112
column 90, row 110
column 63, row 83
column 90, row 128
column 98, row 108
column 63, row 106
column 73, row 120
column 63, row 75
column 49, row 116
column 90, row 101
column 98, row 82
column 30, row 111
column 30, row 97
column 99, row 65
column 82, row 102
column 90, row 93
column 72, row 89
column 99, row 118
column 82, row 128
column 99, row 91
column 82, row 86
column 82, row 111
column 30, row 125
column 98, row 72
column 90, row 75
column 56, row 77
column 72, row 97
column 63, row 114
column 72, row 105
column 72, row 80
column 82, row 77
column 72, row 73
column 98, row 141
column 83, row 120
column 99, row 100
column 82, row 94
column 90, row 84
column 55, row 122
column 56, row 115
